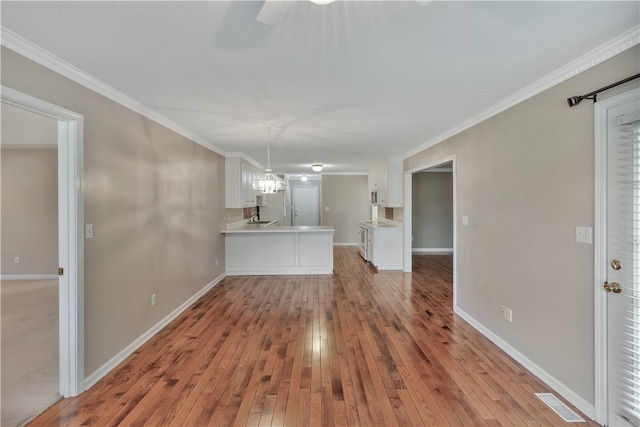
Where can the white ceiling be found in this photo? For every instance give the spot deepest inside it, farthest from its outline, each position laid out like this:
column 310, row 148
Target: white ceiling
column 345, row 84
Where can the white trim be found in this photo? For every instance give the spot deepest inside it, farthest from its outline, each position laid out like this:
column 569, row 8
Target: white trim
column 436, row 170
column 70, row 232
column 613, row 47
column 432, row 250
column 35, row 53
column 407, row 231
column 29, row 277
column 584, row 406
column 248, row 159
column 99, row 373
column 600, row 249
column 344, row 173
column 289, row 271
column 345, row 244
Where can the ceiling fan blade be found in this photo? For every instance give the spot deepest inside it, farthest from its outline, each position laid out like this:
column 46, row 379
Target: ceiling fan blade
column 274, row 12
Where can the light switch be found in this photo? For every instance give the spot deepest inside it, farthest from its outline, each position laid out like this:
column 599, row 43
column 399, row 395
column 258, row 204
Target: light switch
column 465, row 221
column 327, row 208
column 89, row 231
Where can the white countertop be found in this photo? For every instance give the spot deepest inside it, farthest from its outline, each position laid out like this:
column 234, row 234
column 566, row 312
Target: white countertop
column 380, row 223
column 246, row 227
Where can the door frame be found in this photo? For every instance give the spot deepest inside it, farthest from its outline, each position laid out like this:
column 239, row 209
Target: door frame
column 601, row 109
column 70, row 234
column 408, row 222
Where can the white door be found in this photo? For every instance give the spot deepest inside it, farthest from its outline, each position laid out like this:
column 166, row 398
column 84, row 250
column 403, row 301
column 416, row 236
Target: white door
column 305, row 205
column 623, row 264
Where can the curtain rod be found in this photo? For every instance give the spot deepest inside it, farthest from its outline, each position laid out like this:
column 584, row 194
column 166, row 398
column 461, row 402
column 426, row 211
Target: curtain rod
column 575, row 100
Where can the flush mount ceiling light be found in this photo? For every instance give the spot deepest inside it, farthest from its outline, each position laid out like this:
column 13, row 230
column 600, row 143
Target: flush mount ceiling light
column 268, row 183
column 303, row 178
column 316, row 168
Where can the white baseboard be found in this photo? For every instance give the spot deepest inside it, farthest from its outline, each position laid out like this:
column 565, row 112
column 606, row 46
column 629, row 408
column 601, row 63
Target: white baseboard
column 564, row 391
column 28, row 276
column 432, row 250
column 345, row 244
column 118, row 358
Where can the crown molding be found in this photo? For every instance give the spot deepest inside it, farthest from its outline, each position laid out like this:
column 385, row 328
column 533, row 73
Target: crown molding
column 40, row 56
column 615, row 46
column 245, row 157
column 344, row 173
column 35, row 53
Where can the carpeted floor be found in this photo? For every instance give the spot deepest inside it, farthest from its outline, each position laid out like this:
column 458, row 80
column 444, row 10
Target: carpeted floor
column 29, row 349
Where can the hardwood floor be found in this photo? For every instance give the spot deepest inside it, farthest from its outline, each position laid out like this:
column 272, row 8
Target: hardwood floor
column 359, row 348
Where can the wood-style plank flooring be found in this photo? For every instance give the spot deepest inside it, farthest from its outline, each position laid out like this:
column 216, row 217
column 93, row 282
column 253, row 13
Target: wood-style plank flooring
column 359, row 348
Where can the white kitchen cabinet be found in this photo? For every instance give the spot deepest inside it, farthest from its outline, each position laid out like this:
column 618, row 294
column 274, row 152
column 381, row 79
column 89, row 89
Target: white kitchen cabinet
column 386, row 178
column 385, row 247
column 239, row 176
column 249, row 195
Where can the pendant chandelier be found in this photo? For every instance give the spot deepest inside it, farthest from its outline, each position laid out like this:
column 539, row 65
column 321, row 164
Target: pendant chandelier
column 268, row 183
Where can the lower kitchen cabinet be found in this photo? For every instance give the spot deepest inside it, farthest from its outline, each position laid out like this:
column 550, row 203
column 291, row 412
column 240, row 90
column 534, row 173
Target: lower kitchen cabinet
column 254, row 250
column 385, row 247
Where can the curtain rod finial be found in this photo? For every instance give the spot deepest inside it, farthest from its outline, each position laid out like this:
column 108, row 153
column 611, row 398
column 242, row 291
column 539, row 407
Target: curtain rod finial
column 574, row 100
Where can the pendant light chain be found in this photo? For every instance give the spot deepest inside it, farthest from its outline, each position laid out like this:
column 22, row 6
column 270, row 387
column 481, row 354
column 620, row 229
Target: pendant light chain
column 269, row 149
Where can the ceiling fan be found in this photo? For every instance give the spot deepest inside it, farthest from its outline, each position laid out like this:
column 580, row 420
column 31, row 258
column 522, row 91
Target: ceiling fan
column 274, row 12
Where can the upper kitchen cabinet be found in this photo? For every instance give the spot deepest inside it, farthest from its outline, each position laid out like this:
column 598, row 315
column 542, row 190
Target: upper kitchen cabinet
column 385, row 177
column 239, row 176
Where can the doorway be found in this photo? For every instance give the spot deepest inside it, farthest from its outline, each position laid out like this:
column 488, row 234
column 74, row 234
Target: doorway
column 450, row 163
column 433, row 210
column 30, row 357
column 70, row 235
column 617, row 260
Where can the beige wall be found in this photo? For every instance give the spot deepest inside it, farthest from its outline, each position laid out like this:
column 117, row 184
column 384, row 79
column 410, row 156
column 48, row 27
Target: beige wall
column 525, row 179
column 432, row 210
column 347, row 199
column 155, row 200
column 29, row 211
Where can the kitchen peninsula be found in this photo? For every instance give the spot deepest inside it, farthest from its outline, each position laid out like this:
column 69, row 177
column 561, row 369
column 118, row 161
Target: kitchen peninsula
column 268, row 249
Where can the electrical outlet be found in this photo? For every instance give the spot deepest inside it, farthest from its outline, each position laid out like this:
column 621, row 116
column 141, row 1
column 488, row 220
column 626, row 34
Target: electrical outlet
column 16, row 260
column 89, row 231
column 583, row 235
column 153, row 299
column 216, row 261
column 506, row 313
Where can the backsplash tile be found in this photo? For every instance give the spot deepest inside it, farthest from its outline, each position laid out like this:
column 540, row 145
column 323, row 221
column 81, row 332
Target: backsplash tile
column 388, row 213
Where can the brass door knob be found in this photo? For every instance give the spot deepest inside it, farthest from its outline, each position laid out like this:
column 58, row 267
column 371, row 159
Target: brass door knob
column 613, row 287
column 615, row 264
